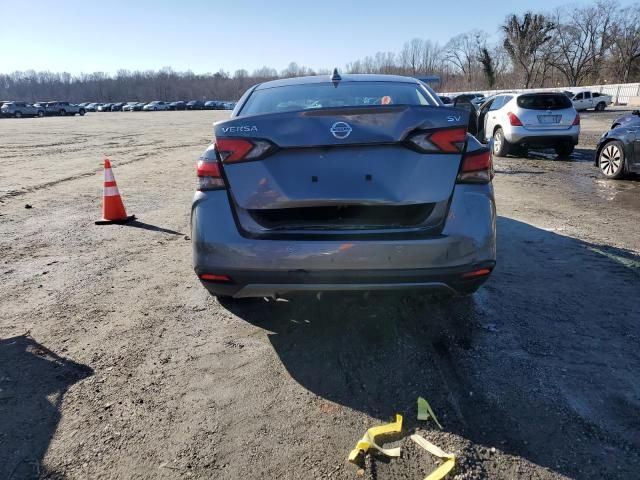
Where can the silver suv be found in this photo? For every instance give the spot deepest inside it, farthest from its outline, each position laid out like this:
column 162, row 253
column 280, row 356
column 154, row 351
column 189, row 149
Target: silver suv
column 21, row 109
column 518, row 121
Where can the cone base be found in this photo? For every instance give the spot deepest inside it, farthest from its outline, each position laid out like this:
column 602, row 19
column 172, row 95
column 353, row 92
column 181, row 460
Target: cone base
column 110, row 222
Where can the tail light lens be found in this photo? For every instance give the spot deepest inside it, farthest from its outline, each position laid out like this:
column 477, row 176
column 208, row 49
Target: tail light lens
column 514, row 120
column 242, row 149
column 576, row 121
column 451, row 140
column 477, row 167
column 208, row 171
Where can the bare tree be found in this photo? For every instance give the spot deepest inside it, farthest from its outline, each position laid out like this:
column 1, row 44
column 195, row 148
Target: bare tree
column 581, row 39
column 625, row 41
column 461, row 51
column 523, row 40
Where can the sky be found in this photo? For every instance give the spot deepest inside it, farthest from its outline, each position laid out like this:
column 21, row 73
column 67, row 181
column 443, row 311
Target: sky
column 206, row 36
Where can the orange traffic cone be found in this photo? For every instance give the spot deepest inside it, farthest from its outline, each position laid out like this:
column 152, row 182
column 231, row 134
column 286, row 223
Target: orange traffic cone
column 112, row 207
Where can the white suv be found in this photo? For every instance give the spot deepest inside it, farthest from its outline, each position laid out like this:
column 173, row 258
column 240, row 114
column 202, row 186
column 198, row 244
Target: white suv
column 518, row 121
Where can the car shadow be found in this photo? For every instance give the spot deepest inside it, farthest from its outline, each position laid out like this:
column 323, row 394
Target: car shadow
column 541, row 363
column 33, row 381
column 150, row 227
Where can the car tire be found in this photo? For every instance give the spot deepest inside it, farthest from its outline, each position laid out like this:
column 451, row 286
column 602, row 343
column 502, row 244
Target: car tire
column 500, row 144
column 18, row 115
column 611, row 161
column 40, row 113
column 82, row 112
column 62, row 113
column 564, row 151
column 600, row 107
column 155, row 109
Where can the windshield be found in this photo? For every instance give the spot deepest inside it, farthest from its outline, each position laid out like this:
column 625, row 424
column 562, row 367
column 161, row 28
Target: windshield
column 322, row 95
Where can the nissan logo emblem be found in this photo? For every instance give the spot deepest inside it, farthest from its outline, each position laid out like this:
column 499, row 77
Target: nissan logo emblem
column 340, row 130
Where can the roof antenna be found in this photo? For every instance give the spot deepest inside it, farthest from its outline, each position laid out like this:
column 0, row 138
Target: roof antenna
column 335, row 77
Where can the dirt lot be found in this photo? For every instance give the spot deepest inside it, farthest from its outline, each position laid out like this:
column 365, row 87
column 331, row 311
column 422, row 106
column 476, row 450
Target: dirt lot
column 115, row 362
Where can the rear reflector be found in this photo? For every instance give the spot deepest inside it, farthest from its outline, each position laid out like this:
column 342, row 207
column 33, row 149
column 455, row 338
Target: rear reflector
column 514, row 120
column 576, row 121
column 477, row 273
column 210, row 277
column 451, row 140
column 477, row 167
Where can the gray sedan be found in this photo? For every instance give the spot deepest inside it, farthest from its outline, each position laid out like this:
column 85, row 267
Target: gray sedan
column 359, row 182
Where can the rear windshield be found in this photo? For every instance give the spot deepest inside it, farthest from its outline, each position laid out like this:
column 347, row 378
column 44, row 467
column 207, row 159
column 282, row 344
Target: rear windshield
column 555, row 101
column 322, row 95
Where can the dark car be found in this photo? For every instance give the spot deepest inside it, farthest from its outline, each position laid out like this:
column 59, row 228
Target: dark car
column 212, row 105
column 63, row 108
column 92, row 107
column 117, row 107
column 352, row 182
column 105, row 107
column 180, row 105
column 616, row 156
column 627, row 120
column 195, row 105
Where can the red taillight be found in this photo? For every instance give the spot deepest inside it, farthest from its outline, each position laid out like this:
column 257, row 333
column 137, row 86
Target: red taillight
column 233, row 150
column 514, row 120
column 210, row 277
column 446, row 141
column 209, row 176
column 576, row 121
column 477, row 167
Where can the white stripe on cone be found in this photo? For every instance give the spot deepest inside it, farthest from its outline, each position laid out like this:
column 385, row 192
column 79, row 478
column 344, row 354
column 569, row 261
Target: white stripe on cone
column 108, row 175
column 111, row 192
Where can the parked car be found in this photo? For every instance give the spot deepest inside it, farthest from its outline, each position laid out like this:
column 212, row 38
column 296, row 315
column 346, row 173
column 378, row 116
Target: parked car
column 83, row 105
column 212, row 105
column 632, row 119
column 155, row 106
column 117, row 107
column 518, row 121
column 128, row 107
column 63, row 108
column 403, row 207
column 21, row 109
column 617, row 154
column 587, row 99
column 105, row 107
column 195, row 105
column 92, row 107
column 180, row 105
column 139, row 106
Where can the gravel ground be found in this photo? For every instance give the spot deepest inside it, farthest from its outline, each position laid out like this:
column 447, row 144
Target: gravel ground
column 116, row 363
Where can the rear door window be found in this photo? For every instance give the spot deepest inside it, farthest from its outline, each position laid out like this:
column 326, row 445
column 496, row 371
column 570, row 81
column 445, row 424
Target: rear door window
column 497, row 103
column 546, row 101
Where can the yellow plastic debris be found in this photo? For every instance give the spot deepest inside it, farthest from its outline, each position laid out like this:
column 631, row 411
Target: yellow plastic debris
column 425, row 411
column 368, row 440
column 442, row 470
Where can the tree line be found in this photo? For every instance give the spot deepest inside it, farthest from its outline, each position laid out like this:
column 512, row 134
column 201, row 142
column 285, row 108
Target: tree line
column 571, row 46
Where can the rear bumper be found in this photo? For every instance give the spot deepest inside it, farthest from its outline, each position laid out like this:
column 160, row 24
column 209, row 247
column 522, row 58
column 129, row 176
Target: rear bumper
column 260, row 267
column 542, row 138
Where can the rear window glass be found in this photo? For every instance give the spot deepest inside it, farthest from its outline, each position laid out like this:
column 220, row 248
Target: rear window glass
column 322, row 95
column 547, row 101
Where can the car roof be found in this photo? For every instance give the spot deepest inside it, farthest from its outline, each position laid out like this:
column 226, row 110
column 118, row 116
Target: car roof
column 351, row 77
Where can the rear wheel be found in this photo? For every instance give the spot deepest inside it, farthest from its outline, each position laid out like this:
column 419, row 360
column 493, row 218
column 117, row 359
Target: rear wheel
column 600, row 107
column 564, row 151
column 611, row 160
column 18, row 114
column 62, row 113
column 40, row 113
column 500, row 144
column 81, row 112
